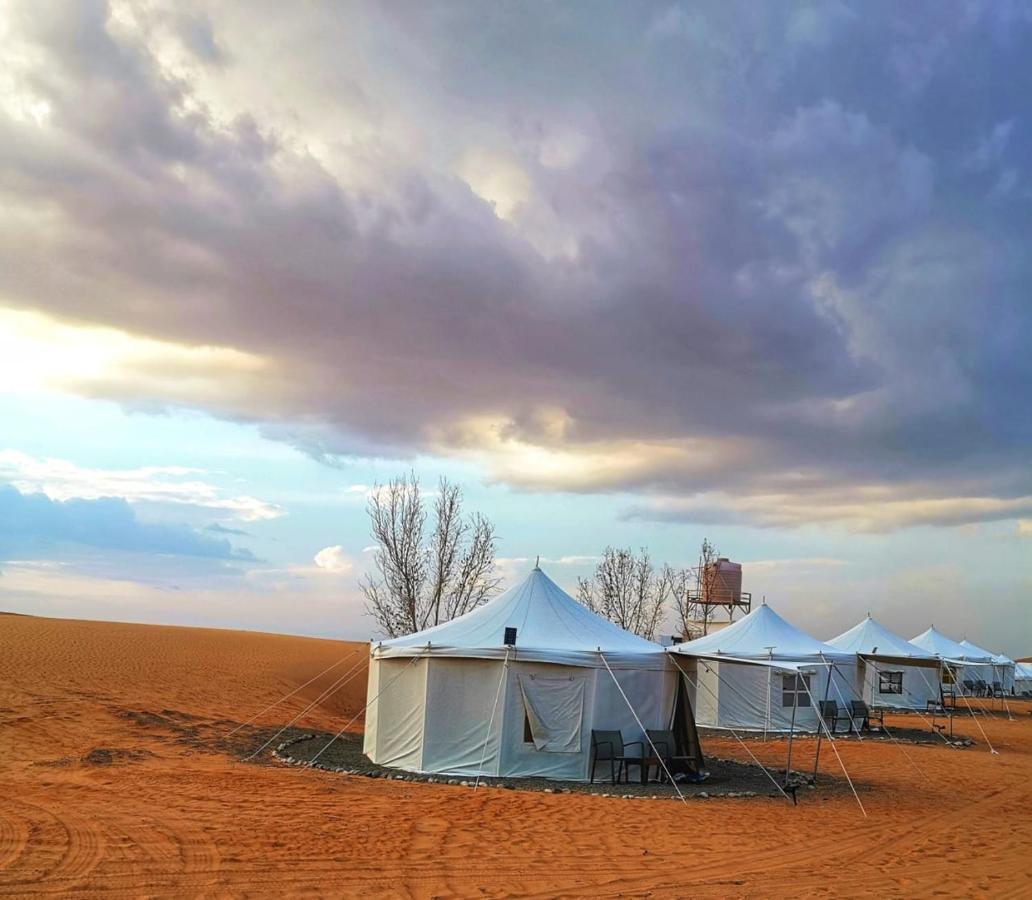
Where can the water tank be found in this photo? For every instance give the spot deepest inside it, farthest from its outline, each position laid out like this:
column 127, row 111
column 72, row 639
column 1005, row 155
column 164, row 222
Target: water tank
column 723, row 582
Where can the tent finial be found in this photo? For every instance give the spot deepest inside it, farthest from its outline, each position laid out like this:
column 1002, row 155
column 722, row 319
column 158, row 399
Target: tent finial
column 537, row 562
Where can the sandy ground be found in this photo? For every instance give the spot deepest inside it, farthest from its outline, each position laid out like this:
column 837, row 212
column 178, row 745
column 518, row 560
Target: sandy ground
column 106, row 788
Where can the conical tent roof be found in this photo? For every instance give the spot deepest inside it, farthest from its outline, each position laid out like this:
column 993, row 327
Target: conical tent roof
column 1001, row 660
column 761, row 635
column 550, row 627
column 936, row 642
column 974, row 653
column 870, row 638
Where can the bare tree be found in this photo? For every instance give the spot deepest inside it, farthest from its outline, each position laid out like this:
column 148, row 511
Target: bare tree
column 693, row 590
column 424, row 579
column 682, row 582
column 627, row 590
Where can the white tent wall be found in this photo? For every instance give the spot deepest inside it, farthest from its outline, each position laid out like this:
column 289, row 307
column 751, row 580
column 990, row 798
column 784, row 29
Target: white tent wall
column 1006, row 676
column 1023, row 678
column 440, row 708
column 650, row 692
column 371, row 730
column 750, row 697
column 973, row 672
column 519, row 757
column 397, row 690
column 920, row 684
column 459, row 699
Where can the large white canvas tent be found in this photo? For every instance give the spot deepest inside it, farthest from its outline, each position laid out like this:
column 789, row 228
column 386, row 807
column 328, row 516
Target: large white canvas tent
column 754, row 673
column 893, row 672
column 456, row 699
column 949, row 651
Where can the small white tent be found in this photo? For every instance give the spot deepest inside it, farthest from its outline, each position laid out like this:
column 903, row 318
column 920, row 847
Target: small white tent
column 978, row 664
column 949, row 652
column 1023, row 678
column 894, row 672
column 755, row 672
column 456, row 699
column 992, row 668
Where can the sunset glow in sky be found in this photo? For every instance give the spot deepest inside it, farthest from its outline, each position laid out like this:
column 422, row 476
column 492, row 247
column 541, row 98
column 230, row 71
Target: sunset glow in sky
column 634, row 274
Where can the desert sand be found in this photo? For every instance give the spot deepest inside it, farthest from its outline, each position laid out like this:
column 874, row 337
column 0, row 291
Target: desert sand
column 110, row 784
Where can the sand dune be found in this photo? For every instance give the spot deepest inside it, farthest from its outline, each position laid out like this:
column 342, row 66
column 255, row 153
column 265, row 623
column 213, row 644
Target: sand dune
column 110, row 784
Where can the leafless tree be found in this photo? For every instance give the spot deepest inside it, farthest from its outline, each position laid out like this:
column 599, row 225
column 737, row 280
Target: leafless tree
column 627, row 590
column 690, row 587
column 423, row 579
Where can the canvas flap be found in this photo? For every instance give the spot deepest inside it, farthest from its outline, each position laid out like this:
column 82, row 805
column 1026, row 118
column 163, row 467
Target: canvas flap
column 555, row 710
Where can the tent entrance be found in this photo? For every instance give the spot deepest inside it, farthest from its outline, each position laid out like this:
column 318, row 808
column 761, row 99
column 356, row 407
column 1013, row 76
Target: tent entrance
column 553, row 712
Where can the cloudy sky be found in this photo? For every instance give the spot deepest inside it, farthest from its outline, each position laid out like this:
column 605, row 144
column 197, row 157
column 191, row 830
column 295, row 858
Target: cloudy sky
column 633, row 274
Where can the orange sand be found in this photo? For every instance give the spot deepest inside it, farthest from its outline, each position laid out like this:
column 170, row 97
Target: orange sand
column 172, row 817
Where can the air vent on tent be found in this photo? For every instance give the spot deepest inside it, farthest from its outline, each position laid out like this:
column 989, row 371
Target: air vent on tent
column 510, row 637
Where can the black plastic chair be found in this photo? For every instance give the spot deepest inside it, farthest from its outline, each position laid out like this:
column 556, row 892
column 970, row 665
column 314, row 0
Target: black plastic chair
column 666, row 747
column 860, row 710
column 828, row 711
column 609, row 746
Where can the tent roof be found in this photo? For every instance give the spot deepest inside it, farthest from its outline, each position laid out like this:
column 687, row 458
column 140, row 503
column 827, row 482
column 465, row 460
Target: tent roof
column 974, row 653
column 1000, row 659
column 762, row 634
column 550, row 627
column 936, row 642
column 871, row 638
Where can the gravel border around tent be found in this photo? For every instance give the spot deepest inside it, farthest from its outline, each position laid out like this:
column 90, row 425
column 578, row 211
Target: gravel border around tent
column 728, row 778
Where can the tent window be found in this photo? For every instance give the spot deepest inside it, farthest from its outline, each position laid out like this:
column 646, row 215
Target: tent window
column 890, row 682
column 795, row 690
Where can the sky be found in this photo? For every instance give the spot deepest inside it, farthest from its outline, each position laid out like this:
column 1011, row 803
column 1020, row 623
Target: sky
column 632, row 274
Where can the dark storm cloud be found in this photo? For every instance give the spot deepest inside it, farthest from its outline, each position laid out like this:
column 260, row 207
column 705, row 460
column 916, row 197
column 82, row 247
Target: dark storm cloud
column 744, row 250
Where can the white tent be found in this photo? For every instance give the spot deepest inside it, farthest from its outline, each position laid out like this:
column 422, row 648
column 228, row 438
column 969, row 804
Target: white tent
column 1005, row 667
column 894, row 672
column 456, row 699
column 752, row 674
column 1023, row 678
column 978, row 663
column 949, row 651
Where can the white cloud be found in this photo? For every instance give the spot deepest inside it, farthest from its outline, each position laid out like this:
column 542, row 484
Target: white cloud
column 61, row 479
column 794, row 566
column 334, row 560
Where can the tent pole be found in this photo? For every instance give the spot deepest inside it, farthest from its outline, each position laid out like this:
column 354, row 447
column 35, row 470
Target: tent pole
column 971, row 710
column 699, row 683
column 791, row 728
column 766, row 720
column 817, row 755
column 644, row 731
column 839, row 756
